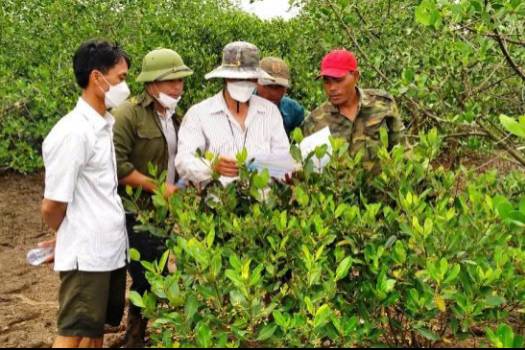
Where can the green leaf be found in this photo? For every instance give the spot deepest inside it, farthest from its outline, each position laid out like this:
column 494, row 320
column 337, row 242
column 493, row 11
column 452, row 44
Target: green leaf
column 512, row 126
column 343, row 268
column 134, row 254
column 400, row 254
column 210, row 238
column 427, row 13
column 191, row 307
column 301, row 196
column 204, row 336
column 321, row 151
column 503, row 207
column 297, row 135
column 341, row 208
column 242, row 156
column 322, row 316
column 235, row 262
column 163, row 261
column 148, row 266
column 136, row 299
column 266, row 332
column 494, row 300
column 522, row 206
column 296, row 153
column 280, row 320
column 428, row 334
column 453, row 274
column 309, row 305
column 261, row 179
column 216, row 265
column 256, row 275
column 235, row 278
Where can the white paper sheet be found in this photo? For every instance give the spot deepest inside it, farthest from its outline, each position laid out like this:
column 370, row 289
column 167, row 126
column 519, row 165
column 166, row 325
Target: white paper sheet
column 310, row 143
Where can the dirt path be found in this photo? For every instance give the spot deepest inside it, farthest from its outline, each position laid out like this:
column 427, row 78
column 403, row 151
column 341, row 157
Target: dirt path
column 28, row 295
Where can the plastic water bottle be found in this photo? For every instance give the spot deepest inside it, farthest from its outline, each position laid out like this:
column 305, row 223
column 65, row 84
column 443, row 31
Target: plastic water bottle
column 38, row 256
column 181, row 184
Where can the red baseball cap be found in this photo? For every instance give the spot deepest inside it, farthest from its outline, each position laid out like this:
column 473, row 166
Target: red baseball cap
column 338, row 63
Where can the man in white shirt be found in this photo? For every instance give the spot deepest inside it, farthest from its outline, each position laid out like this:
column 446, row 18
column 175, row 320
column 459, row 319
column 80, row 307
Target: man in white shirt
column 230, row 121
column 81, row 202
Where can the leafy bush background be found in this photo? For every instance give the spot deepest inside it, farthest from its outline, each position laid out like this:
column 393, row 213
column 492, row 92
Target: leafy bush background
column 414, row 256
column 391, row 246
column 411, row 48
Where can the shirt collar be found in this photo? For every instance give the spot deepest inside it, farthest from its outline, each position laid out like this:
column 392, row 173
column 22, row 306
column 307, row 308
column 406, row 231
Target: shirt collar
column 97, row 121
column 163, row 117
column 364, row 100
column 145, row 99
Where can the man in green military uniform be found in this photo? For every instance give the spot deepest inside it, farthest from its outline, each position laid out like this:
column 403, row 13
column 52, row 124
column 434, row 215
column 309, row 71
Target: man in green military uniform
column 146, row 132
column 352, row 113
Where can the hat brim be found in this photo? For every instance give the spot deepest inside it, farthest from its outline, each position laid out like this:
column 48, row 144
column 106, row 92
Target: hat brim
column 176, row 75
column 163, row 75
column 333, row 73
column 237, row 73
column 275, row 81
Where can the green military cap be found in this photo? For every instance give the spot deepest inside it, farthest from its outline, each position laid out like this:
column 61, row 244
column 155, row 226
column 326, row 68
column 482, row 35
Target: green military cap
column 162, row 65
column 240, row 60
column 277, row 69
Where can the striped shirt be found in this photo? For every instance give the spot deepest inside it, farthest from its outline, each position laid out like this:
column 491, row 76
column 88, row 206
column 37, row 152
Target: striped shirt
column 209, row 126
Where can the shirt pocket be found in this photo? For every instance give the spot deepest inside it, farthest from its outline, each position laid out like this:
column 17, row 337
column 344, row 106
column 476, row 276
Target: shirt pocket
column 372, row 127
column 150, row 144
column 148, row 133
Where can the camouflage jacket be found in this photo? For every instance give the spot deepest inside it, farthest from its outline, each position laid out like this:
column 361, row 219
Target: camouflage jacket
column 377, row 109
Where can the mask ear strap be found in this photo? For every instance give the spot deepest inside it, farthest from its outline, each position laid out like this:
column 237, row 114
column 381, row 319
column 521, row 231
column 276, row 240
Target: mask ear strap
column 100, row 87
column 156, row 88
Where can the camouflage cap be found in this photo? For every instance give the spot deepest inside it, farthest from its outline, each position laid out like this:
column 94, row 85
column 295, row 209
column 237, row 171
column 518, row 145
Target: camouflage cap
column 240, row 60
column 162, row 65
column 278, row 70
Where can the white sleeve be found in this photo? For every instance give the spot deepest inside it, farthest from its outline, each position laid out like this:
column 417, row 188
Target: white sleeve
column 279, row 141
column 64, row 156
column 191, row 138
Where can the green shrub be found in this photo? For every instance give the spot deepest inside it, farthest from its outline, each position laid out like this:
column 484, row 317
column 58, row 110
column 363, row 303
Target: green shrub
column 413, row 256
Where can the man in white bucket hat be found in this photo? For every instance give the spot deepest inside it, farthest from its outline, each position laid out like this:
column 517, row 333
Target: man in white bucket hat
column 230, row 121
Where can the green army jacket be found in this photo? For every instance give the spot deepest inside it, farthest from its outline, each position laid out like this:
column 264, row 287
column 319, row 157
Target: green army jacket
column 138, row 136
column 377, row 109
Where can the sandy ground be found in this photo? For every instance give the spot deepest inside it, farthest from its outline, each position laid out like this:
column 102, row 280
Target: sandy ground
column 28, row 295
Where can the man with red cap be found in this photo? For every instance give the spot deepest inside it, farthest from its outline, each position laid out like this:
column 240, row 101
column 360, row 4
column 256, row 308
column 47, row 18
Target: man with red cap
column 352, row 113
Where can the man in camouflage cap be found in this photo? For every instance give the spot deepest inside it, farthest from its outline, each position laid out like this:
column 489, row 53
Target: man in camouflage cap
column 353, row 113
column 146, row 132
column 232, row 120
column 275, row 90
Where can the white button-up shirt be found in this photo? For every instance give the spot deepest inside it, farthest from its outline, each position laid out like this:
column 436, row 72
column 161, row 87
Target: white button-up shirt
column 170, row 134
column 209, row 126
column 81, row 171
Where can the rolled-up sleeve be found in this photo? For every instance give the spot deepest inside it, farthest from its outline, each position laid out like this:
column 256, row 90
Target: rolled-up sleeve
column 64, row 156
column 189, row 165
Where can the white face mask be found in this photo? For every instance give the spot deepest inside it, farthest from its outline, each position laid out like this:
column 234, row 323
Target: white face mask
column 241, row 91
column 116, row 94
column 168, row 102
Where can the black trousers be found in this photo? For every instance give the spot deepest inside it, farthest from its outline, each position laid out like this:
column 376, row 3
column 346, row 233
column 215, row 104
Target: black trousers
column 150, row 248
